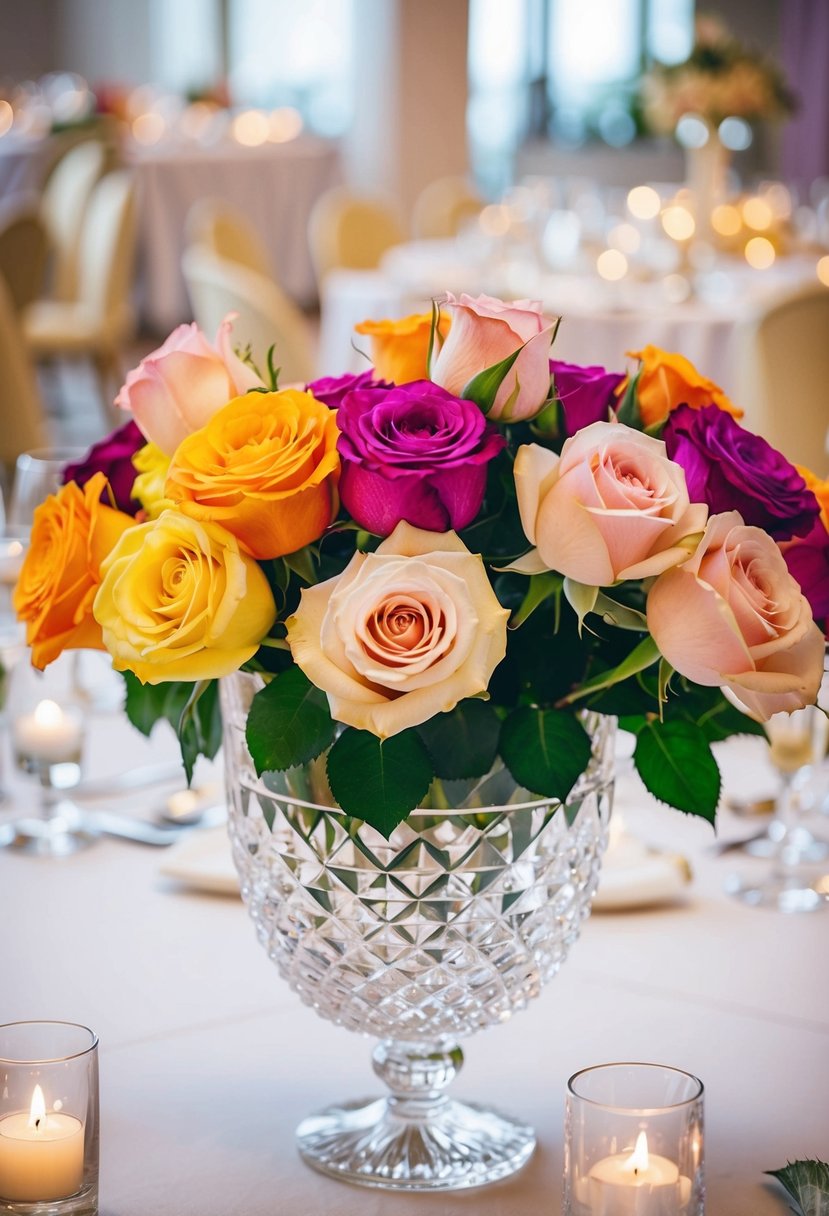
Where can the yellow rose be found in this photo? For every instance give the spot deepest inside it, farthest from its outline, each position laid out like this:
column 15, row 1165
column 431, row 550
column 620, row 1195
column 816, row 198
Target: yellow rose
column 399, row 348
column 152, row 466
column 72, row 534
column 667, row 380
column 403, row 633
column 179, row 601
column 266, row 467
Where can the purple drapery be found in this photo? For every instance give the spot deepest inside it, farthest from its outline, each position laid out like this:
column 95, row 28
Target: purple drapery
column 805, row 47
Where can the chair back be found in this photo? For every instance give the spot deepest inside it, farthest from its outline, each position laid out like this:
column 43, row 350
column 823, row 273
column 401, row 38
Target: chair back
column 266, row 317
column 63, row 206
column 107, row 253
column 24, row 248
column 782, row 361
column 218, row 226
column 22, row 420
column 443, row 207
column 351, row 231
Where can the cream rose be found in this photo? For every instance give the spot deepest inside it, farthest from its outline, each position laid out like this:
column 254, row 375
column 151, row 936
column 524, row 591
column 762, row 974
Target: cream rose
column 611, row 507
column 402, row 634
column 732, row 616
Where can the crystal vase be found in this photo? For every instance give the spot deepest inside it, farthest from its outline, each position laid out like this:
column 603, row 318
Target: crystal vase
column 450, row 926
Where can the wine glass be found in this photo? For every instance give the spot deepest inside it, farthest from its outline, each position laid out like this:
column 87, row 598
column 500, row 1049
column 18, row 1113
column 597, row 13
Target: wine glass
column 37, row 474
column 790, row 884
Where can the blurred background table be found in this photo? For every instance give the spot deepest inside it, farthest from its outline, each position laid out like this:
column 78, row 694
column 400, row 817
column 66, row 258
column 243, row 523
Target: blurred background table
column 273, row 186
column 208, row 1061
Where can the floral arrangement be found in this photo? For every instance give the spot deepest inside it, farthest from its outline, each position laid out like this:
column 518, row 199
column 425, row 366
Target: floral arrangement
column 720, row 78
column 437, row 566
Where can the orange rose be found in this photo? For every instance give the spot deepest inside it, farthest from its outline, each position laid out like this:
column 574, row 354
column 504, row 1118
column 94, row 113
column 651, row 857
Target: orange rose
column 399, row 348
column 266, row 467
column 72, row 533
column 667, row 380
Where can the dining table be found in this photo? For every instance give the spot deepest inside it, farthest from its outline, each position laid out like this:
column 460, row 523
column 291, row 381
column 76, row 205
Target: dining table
column 272, row 186
column 208, row 1061
column 698, row 313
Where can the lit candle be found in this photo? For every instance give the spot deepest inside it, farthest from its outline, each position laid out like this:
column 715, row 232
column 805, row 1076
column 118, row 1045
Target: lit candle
column 11, row 560
column 41, row 1155
column 637, row 1184
column 49, row 734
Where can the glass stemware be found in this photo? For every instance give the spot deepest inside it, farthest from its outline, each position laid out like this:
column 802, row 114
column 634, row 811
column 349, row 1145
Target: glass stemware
column 37, row 474
column 790, row 884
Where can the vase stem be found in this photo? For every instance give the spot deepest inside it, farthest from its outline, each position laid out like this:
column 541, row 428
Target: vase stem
column 418, row 1074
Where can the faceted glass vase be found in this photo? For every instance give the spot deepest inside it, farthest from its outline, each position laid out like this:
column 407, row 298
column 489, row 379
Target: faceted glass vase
column 450, row 926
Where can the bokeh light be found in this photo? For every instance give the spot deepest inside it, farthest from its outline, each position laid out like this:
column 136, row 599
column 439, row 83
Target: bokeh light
column 725, row 219
column 251, row 128
column 643, row 202
column 760, row 253
column 612, row 265
column 678, row 223
column 757, row 214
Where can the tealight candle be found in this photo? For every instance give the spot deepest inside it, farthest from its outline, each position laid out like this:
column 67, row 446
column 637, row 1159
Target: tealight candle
column 41, row 1154
column 637, row 1184
column 48, row 735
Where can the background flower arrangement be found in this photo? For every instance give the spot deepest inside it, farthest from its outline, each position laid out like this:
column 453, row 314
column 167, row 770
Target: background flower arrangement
column 721, row 78
column 436, row 566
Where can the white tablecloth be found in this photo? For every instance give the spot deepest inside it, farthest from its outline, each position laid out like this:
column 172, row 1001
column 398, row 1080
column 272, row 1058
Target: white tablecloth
column 208, row 1061
column 274, row 186
column 600, row 321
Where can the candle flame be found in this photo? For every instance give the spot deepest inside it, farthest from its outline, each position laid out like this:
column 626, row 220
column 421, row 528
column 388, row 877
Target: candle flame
column 37, row 1111
column 48, row 713
column 638, row 1160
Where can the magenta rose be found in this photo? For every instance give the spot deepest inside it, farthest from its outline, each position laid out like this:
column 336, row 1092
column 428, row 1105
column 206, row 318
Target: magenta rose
column 731, row 469
column 808, row 562
column 415, row 453
column 330, row 390
column 587, row 394
column 112, row 457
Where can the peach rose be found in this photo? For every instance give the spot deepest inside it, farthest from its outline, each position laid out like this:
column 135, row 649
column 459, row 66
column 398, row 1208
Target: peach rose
column 667, row 380
column 486, row 331
column 732, row 616
column 611, row 507
column 266, row 467
column 402, row 634
column 399, row 349
column 72, row 533
column 179, row 601
column 178, row 387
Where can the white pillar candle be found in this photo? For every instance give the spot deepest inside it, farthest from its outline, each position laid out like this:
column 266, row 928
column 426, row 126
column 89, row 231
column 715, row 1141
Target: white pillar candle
column 41, row 1155
column 49, row 734
column 637, row 1184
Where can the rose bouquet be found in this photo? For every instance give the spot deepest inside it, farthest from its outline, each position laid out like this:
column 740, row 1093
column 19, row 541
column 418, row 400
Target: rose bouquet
column 720, row 78
column 437, row 566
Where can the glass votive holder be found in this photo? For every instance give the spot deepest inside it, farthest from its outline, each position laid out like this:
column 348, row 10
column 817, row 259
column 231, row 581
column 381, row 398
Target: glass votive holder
column 633, row 1142
column 48, row 1119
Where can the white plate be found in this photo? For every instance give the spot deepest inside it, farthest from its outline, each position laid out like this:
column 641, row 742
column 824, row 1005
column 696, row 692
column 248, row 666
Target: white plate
column 203, row 862
column 658, row 878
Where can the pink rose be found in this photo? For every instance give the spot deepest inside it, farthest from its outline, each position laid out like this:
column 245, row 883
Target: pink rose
column 611, row 507
column 486, row 331
column 176, row 389
column 732, row 616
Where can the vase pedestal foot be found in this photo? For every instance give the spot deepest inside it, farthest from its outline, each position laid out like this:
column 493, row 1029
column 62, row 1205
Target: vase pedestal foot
column 456, row 1146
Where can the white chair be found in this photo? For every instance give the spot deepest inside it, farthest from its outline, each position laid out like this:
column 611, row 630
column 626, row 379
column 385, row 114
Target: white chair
column 267, row 317
column 99, row 322
column 218, row 226
column 782, row 365
column 22, row 421
column 442, row 208
column 351, row 231
column 63, row 206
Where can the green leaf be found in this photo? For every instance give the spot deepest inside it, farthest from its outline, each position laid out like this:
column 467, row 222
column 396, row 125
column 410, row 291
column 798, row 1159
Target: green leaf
column 581, row 598
column 379, row 781
column 620, row 615
column 808, row 1184
column 302, row 564
column 289, row 723
column 541, row 587
column 483, row 388
column 628, row 411
column 200, row 725
column 147, row 704
column 433, row 349
column 726, row 720
column 676, row 764
column 463, row 742
column 641, row 657
column 546, row 750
